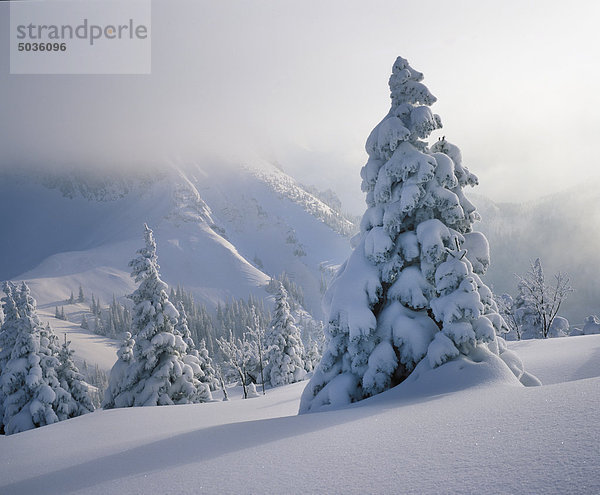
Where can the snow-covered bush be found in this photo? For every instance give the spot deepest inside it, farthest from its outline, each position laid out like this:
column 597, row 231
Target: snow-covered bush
column 559, row 327
column 411, row 289
column 591, row 325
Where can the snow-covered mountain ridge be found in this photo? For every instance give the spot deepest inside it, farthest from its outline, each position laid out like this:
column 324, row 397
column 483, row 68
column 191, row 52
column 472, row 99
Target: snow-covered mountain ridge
column 222, row 232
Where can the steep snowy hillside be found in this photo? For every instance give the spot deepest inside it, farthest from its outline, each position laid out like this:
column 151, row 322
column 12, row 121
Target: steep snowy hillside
column 493, row 438
column 561, row 229
column 221, row 232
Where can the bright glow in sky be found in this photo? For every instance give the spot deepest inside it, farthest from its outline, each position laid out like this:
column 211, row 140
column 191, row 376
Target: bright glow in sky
column 304, row 82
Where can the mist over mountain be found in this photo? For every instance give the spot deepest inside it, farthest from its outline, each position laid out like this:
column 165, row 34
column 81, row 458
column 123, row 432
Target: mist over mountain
column 222, row 232
column 562, row 229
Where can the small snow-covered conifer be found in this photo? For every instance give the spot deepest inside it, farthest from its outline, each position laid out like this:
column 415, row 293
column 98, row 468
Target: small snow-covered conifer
column 119, row 391
column 312, row 355
column 285, row 350
column 206, row 363
column 192, row 356
column 410, row 290
column 70, row 379
column 80, row 296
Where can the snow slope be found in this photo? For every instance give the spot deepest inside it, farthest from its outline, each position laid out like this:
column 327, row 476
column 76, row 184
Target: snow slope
column 222, row 231
column 485, row 438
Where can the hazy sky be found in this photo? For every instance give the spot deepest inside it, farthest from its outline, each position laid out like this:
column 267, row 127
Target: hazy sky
column 304, row 82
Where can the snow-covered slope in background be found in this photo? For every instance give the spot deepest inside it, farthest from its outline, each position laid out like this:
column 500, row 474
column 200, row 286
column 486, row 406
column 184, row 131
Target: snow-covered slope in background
column 221, row 232
column 488, row 438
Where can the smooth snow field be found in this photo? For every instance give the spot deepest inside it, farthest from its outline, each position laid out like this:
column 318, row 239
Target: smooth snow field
column 441, row 437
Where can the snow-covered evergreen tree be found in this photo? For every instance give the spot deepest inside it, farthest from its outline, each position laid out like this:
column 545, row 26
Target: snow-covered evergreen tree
column 181, row 328
column 9, row 329
column 285, row 350
column 157, row 375
column 70, row 379
column 49, row 349
column 410, row 290
column 206, row 363
column 312, row 355
column 119, row 392
column 8, row 337
column 199, row 365
column 32, row 394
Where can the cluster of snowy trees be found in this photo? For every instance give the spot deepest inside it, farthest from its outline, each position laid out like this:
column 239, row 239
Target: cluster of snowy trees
column 294, row 291
column 410, row 294
column 533, row 312
column 272, row 355
column 60, row 314
column 201, row 324
column 80, row 297
column 157, row 363
column 112, row 322
column 39, row 382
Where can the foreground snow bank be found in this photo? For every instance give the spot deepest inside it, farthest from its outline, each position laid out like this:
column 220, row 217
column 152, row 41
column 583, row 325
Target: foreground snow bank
column 489, row 436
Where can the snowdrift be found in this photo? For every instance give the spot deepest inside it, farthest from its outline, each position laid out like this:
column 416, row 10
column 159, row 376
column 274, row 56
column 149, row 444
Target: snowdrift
column 492, row 439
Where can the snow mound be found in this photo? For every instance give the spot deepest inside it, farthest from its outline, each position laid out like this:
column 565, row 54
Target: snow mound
column 494, row 439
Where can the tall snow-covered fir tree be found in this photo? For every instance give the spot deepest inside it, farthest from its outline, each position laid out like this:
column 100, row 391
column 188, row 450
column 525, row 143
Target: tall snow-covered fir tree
column 157, row 373
column 410, row 291
column 284, row 346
